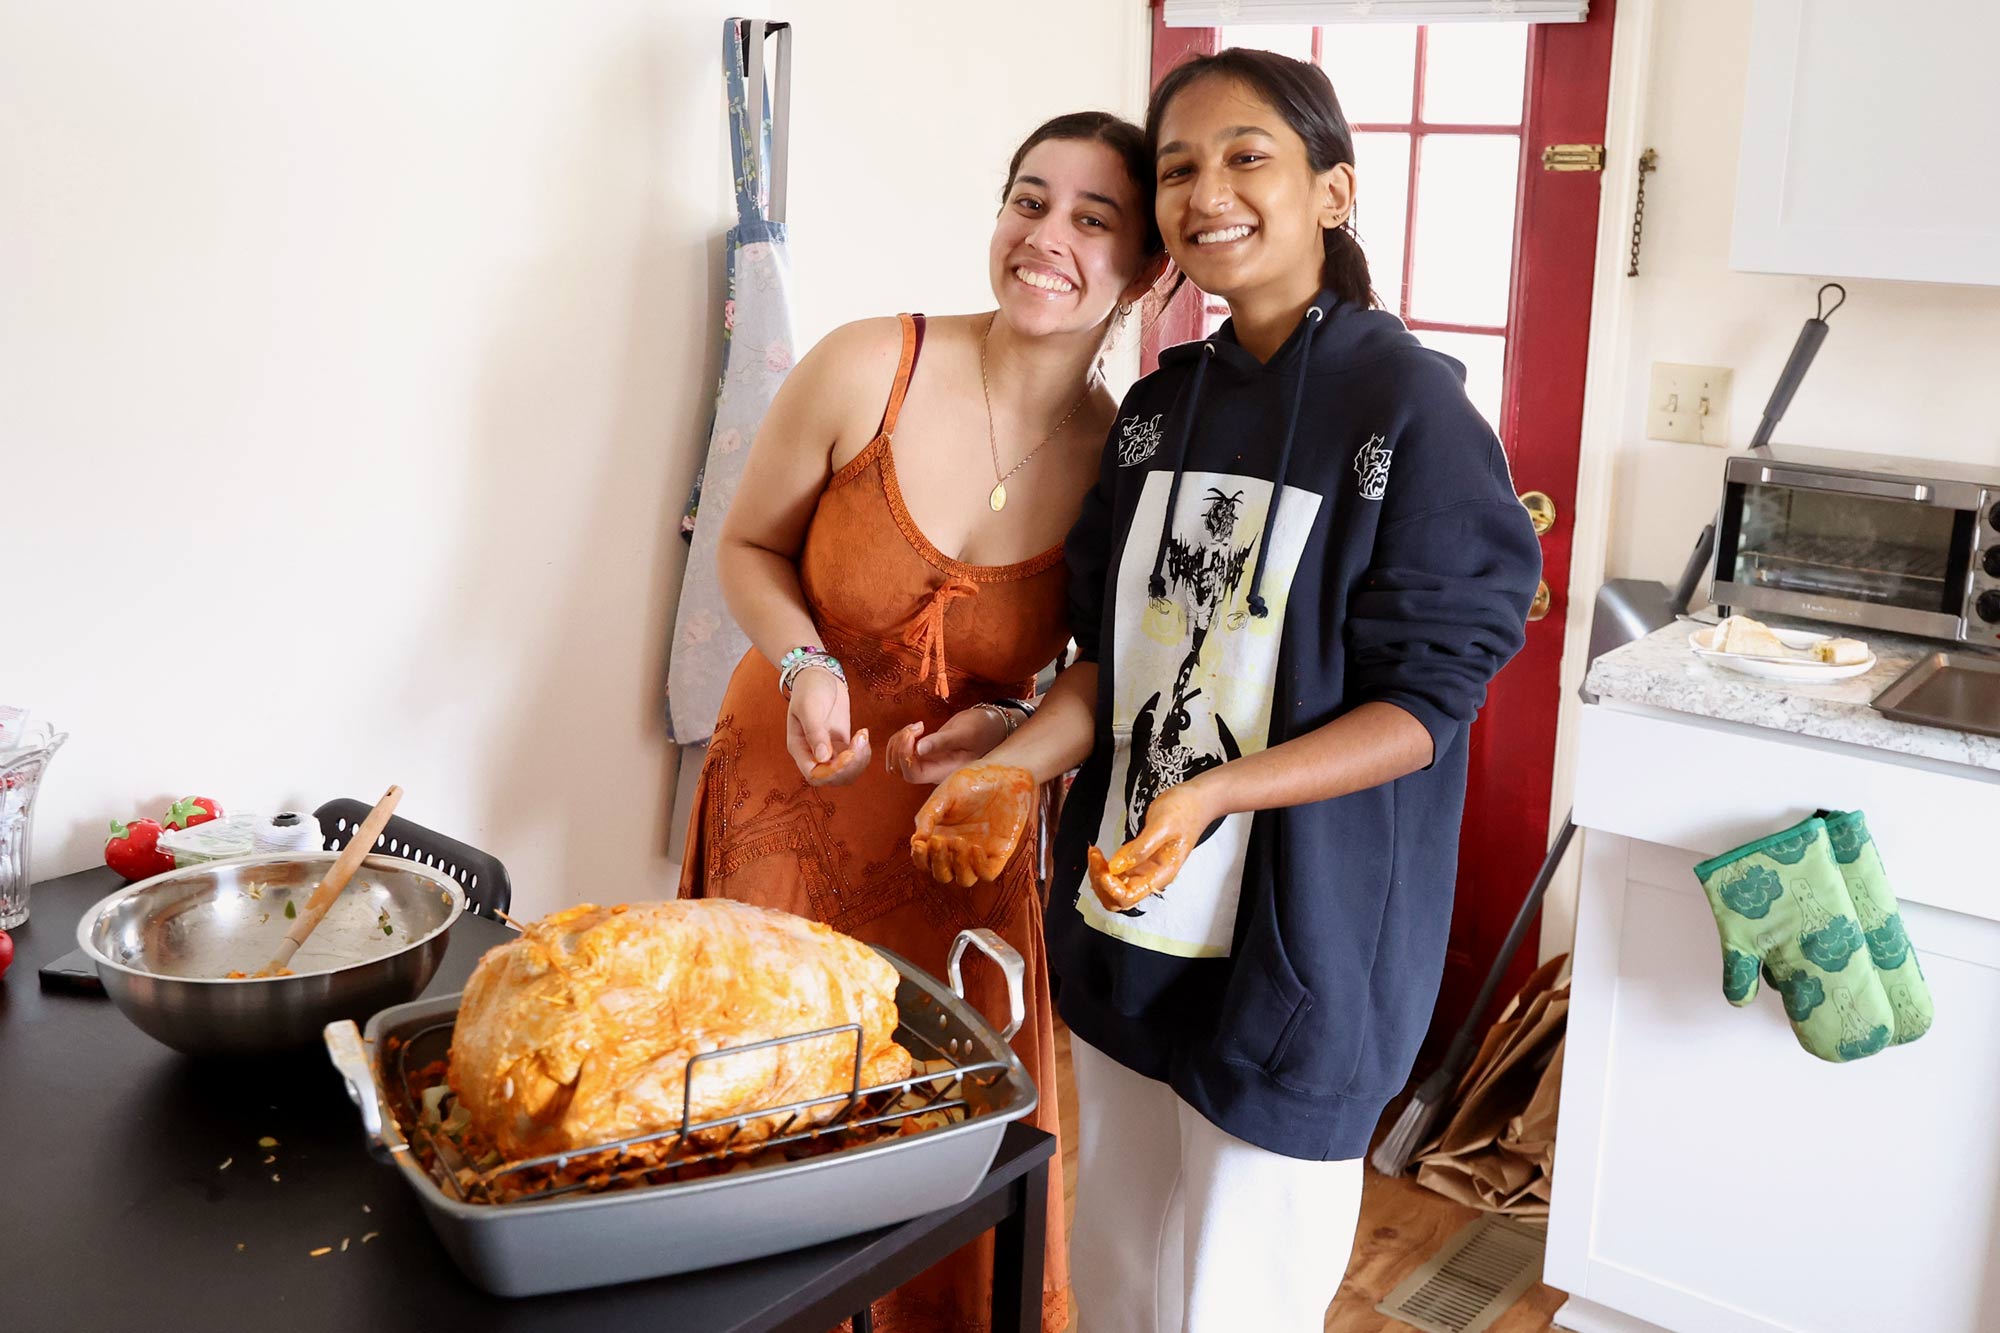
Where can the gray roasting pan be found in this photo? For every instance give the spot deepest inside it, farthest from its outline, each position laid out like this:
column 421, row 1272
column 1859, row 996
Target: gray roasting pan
column 563, row 1242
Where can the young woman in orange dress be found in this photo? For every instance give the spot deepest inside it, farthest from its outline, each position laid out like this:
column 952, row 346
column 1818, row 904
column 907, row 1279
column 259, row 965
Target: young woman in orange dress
column 895, row 553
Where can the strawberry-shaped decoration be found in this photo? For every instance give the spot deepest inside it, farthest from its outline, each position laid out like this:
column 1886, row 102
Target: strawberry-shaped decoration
column 191, row 810
column 133, row 851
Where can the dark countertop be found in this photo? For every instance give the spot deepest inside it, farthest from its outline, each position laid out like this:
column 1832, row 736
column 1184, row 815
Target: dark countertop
column 116, row 1211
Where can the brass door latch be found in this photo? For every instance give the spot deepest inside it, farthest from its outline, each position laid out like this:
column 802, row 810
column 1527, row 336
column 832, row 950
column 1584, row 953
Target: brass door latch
column 1573, row 157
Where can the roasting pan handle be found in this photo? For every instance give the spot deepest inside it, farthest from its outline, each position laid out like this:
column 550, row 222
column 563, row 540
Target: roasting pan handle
column 350, row 1057
column 1010, row 962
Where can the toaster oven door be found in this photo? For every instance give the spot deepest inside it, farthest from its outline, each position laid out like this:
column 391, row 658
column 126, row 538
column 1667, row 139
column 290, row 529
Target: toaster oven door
column 1831, row 547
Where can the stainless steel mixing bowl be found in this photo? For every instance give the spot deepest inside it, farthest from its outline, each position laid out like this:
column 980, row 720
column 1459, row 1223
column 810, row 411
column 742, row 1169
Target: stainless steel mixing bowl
column 165, row 947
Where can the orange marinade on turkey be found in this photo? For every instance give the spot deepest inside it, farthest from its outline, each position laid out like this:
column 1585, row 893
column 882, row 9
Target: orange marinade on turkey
column 579, row 1032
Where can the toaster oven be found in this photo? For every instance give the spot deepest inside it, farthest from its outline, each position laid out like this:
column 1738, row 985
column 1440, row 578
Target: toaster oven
column 1902, row 545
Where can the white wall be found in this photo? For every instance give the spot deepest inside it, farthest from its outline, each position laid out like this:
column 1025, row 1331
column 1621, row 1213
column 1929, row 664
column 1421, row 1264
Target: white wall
column 1904, row 370
column 355, row 361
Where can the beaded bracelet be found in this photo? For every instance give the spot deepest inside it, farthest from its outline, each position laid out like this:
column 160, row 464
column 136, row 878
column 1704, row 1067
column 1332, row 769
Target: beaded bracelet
column 825, row 661
column 792, row 656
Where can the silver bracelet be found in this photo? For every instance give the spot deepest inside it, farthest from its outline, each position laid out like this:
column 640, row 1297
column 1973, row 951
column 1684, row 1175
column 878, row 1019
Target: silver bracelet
column 826, row 662
column 1009, row 719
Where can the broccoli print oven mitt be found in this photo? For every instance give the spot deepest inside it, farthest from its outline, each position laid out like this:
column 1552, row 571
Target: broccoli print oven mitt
column 1881, row 921
column 1782, row 906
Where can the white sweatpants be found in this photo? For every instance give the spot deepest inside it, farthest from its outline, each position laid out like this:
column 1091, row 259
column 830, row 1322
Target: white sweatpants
column 1181, row 1228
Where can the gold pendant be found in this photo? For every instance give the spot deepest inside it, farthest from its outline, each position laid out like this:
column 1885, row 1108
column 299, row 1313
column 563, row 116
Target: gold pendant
column 999, row 497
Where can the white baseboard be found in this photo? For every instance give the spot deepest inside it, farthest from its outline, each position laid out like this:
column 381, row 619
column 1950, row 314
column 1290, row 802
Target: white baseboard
column 1581, row 1316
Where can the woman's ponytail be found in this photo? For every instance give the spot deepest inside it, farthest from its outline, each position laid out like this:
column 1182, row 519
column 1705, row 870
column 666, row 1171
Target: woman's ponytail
column 1346, row 268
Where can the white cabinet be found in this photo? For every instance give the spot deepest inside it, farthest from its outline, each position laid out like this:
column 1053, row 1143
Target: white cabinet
column 1710, row 1175
column 1867, row 145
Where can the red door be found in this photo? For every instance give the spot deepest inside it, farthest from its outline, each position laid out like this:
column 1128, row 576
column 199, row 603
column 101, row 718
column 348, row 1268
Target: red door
column 1488, row 255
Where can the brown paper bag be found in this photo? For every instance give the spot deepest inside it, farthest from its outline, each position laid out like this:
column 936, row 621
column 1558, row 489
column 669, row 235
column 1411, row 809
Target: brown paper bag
column 1510, row 1081
column 1532, row 1134
column 1540, row 980
column 1497, row 1144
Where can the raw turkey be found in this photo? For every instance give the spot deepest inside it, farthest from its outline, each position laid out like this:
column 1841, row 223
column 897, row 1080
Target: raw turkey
column 579, row 1032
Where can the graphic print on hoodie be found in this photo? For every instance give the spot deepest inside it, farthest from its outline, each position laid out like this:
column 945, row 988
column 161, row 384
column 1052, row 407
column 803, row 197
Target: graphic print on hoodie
column 1194, row 685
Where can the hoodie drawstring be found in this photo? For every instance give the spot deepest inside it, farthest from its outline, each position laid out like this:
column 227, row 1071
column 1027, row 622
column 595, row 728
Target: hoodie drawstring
column 1313, row 317
column 1156, row 586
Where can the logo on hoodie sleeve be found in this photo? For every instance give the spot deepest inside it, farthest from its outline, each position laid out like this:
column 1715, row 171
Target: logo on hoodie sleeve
column 1371, row 468
column 1138, row 439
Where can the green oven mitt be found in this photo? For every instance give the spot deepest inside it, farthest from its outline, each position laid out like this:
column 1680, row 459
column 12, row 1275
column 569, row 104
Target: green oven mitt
column 1881, row 923
column 1782, row 907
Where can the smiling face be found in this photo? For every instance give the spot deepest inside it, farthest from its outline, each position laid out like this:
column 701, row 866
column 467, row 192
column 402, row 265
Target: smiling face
column 1242, row 210
column 1069, row 244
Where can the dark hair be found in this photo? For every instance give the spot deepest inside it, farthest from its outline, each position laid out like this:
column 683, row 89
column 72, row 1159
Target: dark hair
column 1303, row 95
column 1116, row 133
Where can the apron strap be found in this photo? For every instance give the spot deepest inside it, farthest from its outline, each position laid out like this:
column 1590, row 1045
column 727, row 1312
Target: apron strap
column 759, row 140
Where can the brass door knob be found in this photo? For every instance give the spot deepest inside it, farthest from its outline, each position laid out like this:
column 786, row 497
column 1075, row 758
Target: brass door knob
column 1541, row 510
column 1540, row 606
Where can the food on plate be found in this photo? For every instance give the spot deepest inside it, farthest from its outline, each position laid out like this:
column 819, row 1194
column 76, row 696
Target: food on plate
column 1840, row 652
column 1741, row 634
column 132, row 850
column 579, row 1032
column 191, row 810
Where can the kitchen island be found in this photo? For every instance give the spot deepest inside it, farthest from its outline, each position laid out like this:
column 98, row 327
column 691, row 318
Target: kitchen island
column 1710, row 1175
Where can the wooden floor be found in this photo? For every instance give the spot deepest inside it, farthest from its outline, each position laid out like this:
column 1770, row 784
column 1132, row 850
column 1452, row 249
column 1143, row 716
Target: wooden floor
column 1402, row 1224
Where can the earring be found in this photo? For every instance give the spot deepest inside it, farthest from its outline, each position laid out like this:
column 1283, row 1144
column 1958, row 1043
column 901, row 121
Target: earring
column 1124, row 310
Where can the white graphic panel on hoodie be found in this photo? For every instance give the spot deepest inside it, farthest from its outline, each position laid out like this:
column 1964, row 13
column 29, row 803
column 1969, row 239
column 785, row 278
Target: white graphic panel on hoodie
column 1193, row 673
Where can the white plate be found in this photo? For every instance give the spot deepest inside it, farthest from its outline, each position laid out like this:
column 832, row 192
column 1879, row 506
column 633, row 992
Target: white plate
column 1802, row 672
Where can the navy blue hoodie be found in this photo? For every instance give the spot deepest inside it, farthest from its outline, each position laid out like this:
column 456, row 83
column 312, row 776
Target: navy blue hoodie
column 1282, row 983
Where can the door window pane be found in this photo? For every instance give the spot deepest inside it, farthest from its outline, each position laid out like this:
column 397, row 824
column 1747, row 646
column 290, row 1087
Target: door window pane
column 1287, row 39
column 1381, row 208
column 1374, row 69
column 1465, row 228
column 1484, row 356
column 1474, row 73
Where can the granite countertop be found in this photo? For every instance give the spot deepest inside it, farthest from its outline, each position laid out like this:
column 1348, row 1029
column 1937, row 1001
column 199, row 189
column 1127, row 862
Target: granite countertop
column 1660, row 671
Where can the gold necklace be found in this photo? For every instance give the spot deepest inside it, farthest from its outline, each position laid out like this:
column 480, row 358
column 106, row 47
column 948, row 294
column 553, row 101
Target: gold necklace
column 997, row 499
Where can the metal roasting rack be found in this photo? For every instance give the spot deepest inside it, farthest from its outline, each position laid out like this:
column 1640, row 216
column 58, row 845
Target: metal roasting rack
column 880, row 1105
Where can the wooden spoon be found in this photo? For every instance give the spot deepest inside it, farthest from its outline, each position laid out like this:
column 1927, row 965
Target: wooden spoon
column 328, row 889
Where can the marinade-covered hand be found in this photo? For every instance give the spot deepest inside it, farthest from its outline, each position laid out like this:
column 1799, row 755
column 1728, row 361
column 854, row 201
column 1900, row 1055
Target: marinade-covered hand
column 968, row 829
column 816, row 735
column 845, row 767
column 1175, row 822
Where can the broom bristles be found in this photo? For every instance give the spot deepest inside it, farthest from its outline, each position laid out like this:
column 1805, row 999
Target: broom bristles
column 1392, row 1155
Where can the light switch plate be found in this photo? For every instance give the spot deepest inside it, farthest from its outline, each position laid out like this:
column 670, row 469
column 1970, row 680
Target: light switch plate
column 1689, row 404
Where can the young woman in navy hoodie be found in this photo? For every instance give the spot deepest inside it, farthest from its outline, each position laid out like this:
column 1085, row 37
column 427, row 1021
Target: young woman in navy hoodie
column 1301, row 565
